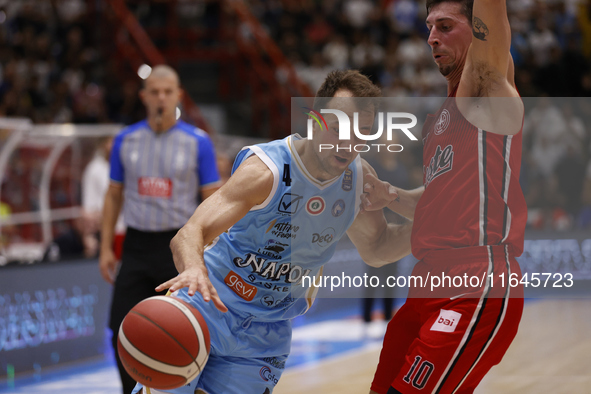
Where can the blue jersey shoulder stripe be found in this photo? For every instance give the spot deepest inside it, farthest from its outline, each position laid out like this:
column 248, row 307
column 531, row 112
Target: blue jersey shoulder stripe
column 207, row 168
column 117, row 172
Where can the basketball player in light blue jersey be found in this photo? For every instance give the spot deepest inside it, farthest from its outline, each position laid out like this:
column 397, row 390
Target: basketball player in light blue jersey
column 278, row 219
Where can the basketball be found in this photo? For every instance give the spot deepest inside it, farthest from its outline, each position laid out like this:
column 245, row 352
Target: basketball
column 163, row 343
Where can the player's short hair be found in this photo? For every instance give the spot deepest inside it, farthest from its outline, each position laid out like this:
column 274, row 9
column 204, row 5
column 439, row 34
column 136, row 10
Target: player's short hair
column 467, row 6
column 352, row 80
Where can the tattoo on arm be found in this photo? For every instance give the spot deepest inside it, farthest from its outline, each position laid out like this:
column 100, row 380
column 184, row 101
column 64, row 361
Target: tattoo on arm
column 397, row 199
column 479, row 29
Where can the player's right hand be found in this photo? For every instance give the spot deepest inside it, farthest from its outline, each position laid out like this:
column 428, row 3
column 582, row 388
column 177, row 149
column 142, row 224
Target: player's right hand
column 108, row 265
column 195, row 278
column 377, row 194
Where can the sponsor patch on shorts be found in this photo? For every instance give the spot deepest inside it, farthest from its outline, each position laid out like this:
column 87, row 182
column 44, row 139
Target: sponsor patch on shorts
column 447, row 321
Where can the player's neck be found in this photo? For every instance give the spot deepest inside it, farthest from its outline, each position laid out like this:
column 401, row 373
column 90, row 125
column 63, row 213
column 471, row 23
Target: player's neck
column 453, row 79
column 305, row 150
column 161, row 124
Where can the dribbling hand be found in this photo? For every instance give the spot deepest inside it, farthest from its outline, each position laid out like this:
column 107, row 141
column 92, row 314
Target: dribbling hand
column 196, row 279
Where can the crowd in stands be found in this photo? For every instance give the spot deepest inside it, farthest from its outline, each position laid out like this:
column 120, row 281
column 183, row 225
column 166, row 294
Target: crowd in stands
column 54, row 70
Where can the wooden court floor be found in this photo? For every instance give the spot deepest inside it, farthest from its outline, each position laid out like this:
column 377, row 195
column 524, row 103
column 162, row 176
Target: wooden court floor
column 551, row 354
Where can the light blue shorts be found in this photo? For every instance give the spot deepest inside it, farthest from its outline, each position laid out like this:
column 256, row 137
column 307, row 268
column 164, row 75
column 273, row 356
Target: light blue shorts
column 247, row 356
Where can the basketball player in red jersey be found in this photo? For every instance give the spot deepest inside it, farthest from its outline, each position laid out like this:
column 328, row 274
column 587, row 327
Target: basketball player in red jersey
column 471, row 216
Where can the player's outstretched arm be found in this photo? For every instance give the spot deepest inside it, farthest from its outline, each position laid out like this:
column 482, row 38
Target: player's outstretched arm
column 377, row 241
column 491, row 37
column 380, row 194
column 250, row 185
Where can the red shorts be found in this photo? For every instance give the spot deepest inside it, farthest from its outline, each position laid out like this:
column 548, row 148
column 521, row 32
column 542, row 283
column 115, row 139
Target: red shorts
column 118, row 245
column 447, row 344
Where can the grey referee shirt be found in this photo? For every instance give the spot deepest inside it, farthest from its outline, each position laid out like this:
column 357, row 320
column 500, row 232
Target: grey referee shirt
column 162, row 173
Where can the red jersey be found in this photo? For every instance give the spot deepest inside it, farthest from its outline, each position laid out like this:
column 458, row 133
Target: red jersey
column 472, row 194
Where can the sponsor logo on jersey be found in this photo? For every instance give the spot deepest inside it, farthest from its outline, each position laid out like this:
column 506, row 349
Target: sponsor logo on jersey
column 440, row 163
column 282, row 229
column 240, row 287
column 271, row 269
column 442, row 122
column 447, row 321
column 315, row 205
column 267, row 300
column 268, row 285
column 289, row 203
column 338, row 208
column 273, row 249
column 324, row 238
column 274, row 362
column 154, row 187
column 267, row 376
column 285, row 302
column 347, row 184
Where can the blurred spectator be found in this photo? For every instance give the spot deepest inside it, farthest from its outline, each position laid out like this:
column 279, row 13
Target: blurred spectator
column 75, row 243
column 541, row 42
column 358, row 12
column 316, row 72
column 318, row 31
column 95, row 183
column 365, row 51
column 336, row 51
column 403, row 15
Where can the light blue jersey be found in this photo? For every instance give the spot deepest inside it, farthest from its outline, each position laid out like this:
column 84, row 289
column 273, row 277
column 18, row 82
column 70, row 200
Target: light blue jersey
column 257, row 266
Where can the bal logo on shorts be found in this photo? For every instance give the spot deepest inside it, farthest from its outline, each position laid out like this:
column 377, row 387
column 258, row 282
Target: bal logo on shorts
column 447, row 321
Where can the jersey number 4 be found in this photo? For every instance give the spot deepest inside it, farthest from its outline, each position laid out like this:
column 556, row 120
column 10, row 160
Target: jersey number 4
column 286, row 175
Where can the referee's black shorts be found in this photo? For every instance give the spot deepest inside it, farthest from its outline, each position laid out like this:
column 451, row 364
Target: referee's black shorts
column 146, row 262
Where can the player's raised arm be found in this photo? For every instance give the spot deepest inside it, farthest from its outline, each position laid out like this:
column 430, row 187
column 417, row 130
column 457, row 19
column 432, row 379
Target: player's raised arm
column 377, row 241
column 250, row 185
column 487, row 86
column 491, row 37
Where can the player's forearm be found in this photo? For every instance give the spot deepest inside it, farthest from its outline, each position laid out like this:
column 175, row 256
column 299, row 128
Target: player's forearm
column 111, row 210
column 406, row 202
column 187, row 246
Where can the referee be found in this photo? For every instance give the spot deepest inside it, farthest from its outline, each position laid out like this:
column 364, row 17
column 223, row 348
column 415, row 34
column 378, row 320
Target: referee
column 159, row 169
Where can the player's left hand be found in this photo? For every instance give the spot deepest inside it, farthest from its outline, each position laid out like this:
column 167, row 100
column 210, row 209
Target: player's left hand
column 376, row 194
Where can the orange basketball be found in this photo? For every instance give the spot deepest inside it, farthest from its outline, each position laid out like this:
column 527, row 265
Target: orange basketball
column 163, row 342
